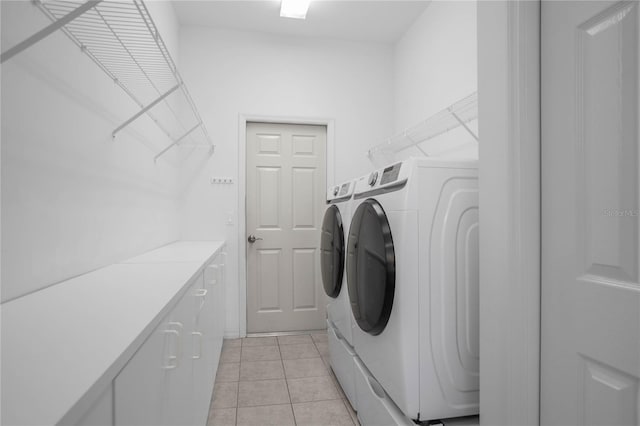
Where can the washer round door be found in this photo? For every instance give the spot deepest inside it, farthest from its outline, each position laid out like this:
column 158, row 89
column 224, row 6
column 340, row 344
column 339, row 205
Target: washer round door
column 371, row 267
column 332, row 252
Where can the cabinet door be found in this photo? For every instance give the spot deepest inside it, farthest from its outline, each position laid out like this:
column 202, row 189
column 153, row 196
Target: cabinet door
column 204, row 348
column 214, row 278
column 178, row 400
column 101, row 412
column 140, row 387
column 169, row 381
column 221, row 307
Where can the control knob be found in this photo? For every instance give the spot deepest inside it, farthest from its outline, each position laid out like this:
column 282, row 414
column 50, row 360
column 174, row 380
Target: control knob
column 373, row 178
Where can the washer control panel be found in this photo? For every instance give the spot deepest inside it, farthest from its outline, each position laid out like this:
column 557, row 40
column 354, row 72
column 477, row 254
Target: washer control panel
column 345, row 189
column 390, row 174
column 342, row 191
column 383, row 179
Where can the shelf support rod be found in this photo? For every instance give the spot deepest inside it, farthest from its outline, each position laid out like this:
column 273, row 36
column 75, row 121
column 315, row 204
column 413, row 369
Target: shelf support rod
column 51, row 28
column 415, row 143
column 176, row 142
column 462, row 123
column 145, row 109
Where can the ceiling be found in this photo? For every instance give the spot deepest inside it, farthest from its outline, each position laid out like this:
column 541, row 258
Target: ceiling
column 382, row 21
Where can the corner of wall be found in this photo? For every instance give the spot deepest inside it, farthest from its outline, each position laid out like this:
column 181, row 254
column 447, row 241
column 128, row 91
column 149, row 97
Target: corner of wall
column 435, row 62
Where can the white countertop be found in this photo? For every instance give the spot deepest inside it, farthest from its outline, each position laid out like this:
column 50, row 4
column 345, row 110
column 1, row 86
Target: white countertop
column 63, row 345
column 180, row 251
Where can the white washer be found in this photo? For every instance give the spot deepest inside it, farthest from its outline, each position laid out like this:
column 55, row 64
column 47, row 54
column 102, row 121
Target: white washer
column 335, row 228
column 412, row 272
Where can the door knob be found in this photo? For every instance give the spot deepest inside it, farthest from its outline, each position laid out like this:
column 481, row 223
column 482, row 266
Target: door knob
column 252, row 239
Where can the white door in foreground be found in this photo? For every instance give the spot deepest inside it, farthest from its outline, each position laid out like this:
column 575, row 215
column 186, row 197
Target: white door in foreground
column 286, row 193
column 590, row 359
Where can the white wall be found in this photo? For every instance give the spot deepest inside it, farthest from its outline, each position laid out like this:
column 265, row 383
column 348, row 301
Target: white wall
column 435, row 65
column 231, row 73
column 73, row 200
column 166, row 21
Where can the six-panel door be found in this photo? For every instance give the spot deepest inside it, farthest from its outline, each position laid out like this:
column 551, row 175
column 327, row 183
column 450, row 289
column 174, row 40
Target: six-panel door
column 590, row 359
column 285, row 203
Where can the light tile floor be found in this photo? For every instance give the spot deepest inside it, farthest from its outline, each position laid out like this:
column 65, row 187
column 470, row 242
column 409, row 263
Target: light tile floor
column 283, row 380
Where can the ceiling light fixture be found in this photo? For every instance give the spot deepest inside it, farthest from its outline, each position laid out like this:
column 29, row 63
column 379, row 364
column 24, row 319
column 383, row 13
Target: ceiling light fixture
column 296, row 9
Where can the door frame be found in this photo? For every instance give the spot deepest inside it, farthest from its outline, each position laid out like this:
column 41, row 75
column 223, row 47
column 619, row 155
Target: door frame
column 510, row 285
column 243, row 119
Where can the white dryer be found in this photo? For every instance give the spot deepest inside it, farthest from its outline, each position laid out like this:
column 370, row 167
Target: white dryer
column 335, row 228
column 412, row 273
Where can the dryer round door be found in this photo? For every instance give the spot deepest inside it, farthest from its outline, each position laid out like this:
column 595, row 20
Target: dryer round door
column 371, row 267
column 332, row 252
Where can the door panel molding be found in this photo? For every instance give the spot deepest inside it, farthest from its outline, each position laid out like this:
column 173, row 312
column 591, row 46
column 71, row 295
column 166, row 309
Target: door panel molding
column 608, row 241
column 606, row 386
column 242, row 194
column 590, row 352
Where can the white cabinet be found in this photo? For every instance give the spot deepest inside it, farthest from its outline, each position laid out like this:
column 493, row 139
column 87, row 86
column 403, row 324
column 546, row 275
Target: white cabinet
column 101, row 412
column 140, row 387
column 209, row 328
column 169, row 381
column 126, row 344
column 153, row 388
column 179, row 377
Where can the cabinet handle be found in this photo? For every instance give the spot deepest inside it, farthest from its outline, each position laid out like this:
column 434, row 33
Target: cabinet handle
column 179, row 326
column 218, row 271
column 199, row 334
column 172, row 360
column 201, row 292
column 176, row 324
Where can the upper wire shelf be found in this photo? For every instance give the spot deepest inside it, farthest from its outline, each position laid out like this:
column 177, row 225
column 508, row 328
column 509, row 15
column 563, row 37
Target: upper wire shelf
column 122, row 39
column 460, row 113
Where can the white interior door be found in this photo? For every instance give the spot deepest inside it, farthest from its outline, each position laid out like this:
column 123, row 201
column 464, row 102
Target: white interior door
column 286, row 187
column 590, row 359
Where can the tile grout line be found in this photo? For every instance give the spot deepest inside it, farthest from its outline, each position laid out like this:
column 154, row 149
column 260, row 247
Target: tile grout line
column 286, row 378
column 286, row 383
column 345, row 402
column 238, row 389
column 330, row 373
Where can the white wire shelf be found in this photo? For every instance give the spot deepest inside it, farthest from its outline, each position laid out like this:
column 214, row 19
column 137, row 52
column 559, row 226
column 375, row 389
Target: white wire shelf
column 122, row 39
column 458, row 114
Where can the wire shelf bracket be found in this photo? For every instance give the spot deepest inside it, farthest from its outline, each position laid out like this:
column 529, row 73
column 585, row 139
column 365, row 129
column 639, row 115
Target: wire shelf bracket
column 121, row 38
column 145, row 109
column 48, row 30
column 456, row 115
column 463, row 124
column 177, row 141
